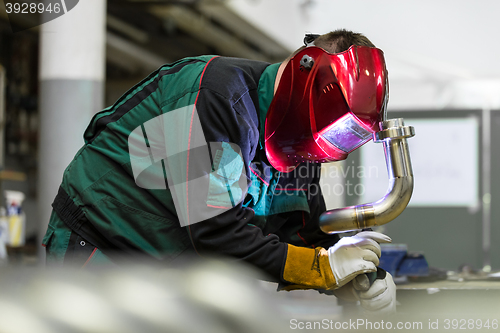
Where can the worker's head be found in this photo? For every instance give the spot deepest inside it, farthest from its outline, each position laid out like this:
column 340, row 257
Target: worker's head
column 340, row 40
column 329, row 98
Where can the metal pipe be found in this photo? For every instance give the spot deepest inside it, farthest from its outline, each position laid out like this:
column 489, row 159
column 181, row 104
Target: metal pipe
column 393, row 136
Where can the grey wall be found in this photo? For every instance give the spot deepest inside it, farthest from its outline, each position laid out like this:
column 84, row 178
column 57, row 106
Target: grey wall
column 495, row 190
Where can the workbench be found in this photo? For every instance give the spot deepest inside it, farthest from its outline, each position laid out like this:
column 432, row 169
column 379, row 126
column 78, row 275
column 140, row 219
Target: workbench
column 473, row 298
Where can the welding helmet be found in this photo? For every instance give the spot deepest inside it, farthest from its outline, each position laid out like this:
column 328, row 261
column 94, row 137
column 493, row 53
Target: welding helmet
column 325, row 106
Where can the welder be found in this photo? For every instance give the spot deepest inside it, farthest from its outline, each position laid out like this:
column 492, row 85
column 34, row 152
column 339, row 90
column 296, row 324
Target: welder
column 219, row 156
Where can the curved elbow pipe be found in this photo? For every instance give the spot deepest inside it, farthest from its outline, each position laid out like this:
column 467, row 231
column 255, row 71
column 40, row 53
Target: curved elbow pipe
column 393, row 136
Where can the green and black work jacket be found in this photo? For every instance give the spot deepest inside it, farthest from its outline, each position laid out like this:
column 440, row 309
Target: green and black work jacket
column 100, row 199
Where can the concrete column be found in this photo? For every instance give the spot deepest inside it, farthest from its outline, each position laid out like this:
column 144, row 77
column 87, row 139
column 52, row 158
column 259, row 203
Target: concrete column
column 3, row 84
column 72, row 62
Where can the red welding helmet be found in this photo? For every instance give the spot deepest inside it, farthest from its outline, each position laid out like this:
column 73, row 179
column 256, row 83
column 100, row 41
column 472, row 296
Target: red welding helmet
column 326, row 105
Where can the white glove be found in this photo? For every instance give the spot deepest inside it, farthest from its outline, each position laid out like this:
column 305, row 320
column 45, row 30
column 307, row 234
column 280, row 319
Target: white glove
column 356, row 255
column 381, row 297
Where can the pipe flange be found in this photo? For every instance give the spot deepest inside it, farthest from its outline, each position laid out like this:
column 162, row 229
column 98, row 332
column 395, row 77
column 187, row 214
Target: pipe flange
column 400, row 132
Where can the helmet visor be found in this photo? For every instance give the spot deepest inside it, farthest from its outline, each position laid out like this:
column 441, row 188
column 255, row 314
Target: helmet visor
column 347, row 133
column 326, row 105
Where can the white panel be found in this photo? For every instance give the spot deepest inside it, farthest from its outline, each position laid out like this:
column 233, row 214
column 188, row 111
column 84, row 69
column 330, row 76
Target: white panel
column 285, row 20
column 444, row 155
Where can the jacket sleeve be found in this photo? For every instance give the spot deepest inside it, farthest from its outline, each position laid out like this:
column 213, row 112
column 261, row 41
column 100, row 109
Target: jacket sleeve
column 230, row 128
column 229, row 119
column 230, row 234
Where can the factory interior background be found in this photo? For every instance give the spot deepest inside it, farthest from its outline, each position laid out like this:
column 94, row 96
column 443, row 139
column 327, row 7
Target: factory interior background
column 443, row 75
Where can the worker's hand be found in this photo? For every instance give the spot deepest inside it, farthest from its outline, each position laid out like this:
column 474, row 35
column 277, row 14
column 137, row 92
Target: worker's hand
column 380, row 298
column 355, row 255
column 318, row 268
